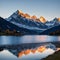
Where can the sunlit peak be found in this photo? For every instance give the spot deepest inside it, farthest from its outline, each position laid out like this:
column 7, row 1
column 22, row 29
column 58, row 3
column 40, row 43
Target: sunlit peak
column 33, row 17
column 27, row 16
column 58, row 19
column 20, row 11
column 42, row 19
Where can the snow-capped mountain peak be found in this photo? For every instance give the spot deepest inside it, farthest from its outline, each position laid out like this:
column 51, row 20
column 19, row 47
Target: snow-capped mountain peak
column 19, row 11
column 24, row 20
column 42, row 19
column 33, row 17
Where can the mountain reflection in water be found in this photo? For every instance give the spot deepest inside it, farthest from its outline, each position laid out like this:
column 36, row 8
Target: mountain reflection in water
column 32, row 47
column 6, row 55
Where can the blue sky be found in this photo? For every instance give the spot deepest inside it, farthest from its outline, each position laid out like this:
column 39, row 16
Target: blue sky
column 47, row 8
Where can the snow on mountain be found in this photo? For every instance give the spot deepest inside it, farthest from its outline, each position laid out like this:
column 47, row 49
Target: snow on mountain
column 54, row 22
column 33, row 17
column 42, row 19
column 24, row 20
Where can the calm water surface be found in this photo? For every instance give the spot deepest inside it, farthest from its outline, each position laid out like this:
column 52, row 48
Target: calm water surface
column 5, row 40
column 27, row 39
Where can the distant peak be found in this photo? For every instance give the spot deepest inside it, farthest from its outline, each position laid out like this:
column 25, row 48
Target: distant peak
column 19, row 12
column 26, row 15
column 42, row 19
column 33, row 17
column 23, row 14
column 55, row 18
column 58, row 19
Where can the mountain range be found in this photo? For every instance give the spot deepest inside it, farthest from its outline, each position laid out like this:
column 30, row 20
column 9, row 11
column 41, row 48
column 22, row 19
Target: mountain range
column 26, row 24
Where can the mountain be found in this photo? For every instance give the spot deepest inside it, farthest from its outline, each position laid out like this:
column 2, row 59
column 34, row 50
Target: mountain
column 23, row 20
column 20, row 18
column 23, row 15
column 56, row 21
column 59, row 19
column 55, row 30
column 26, row 24
column 6, row 25
column 33, row 17
column 53, row 22
column 21, row 29
column 42, row 19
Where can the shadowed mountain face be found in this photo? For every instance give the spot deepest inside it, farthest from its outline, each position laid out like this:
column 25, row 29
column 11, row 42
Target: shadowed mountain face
column 6, row 25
